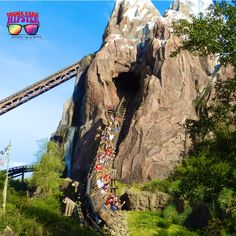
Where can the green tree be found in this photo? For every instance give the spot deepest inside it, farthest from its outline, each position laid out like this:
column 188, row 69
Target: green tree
column 47, row 176
column 211, row 34
column 209, row 174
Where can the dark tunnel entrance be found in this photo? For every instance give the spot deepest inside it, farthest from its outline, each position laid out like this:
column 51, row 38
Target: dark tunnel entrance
column 127, row 85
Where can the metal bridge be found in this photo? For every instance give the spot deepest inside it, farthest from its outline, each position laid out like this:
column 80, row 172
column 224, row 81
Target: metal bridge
column 20, row 171
column 38, row 88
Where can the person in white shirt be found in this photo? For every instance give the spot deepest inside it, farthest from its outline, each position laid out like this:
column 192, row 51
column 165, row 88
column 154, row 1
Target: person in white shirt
column 100, row 183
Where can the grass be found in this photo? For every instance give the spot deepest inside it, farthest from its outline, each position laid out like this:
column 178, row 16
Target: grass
column 41, row 215
column 38, row 217
column 155, row 185
column 121, row 188
column 152, row 186
column 152, row 224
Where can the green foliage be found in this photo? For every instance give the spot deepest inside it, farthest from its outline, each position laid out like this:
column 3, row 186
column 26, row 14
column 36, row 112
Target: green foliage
column 218, row 120
column 227, row 203
column 41, row 215
column 156, row 185
column 203, row 176
column 213, row 34
column 213, row 228
column 121, row 187
column 174, row 216
column 38, row 217
column 2, row 178
column 181, row 218
column 150, row 223
column 42, row 148
column 170, row 212
column 48, row 171
column 208, row 175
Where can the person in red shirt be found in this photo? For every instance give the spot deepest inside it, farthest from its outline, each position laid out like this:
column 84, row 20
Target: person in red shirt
column 108, row 152
column 98, row 167
column 107, row 177
column 109, row 201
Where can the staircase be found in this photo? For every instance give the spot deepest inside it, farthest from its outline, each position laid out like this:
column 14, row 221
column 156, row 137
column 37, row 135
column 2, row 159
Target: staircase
column 122, row 112
column 95, row 200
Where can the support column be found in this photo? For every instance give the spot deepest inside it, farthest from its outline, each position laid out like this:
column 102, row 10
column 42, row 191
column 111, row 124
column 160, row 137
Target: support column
column 23, row 175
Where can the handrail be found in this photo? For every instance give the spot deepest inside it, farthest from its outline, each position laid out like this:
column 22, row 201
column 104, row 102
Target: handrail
column 121, row 102
column 122, row 120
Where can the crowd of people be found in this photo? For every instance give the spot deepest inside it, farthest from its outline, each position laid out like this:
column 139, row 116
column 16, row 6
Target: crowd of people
column 104, row 161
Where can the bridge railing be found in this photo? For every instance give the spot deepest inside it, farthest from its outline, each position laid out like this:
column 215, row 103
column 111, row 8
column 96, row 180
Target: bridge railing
column 38, row 88
column 39, row 82
column 20, row 170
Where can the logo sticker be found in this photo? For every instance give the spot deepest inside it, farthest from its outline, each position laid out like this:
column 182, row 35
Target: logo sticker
column 23, row 23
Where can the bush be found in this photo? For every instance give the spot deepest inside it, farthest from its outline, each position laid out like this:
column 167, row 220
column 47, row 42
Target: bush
column 170, row 212
column 227, row 200
column 181, row 218
column 227, row 203
column 156, row 185
column 41, row 215
column 48, row 171
column 203, row 176
column 151, row 223
column 213, row 228
column 37, row 217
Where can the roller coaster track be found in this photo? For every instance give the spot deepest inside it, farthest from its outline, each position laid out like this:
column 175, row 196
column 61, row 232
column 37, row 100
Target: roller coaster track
column 38, row 88
column 20, row 171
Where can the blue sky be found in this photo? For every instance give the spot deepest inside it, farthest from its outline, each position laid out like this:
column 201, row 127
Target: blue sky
column 69, row 31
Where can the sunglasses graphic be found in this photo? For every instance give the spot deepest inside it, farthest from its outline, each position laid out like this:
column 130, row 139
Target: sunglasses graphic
column 30, row 29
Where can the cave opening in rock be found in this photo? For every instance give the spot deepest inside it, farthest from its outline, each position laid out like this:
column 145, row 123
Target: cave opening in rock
column 127, row 84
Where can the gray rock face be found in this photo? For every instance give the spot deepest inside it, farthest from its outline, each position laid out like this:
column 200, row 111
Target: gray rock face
column 185, row 9
column 134, row 62
column 8, row 232
column 191, row 7
column 145, row 200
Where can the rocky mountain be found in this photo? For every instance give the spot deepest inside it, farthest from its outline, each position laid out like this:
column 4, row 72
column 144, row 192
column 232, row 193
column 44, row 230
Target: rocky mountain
column 134, row 62
column 190, row 7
